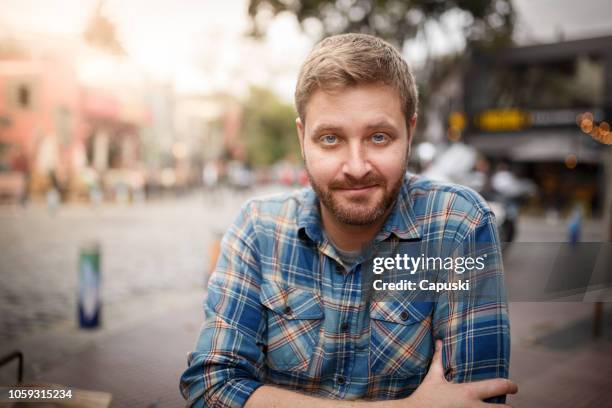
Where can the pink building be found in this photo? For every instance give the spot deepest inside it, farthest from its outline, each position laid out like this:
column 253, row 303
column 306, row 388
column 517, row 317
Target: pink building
column 40, row 117
column 59, row 126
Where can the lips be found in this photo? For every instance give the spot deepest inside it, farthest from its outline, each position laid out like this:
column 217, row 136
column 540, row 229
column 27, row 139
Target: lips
column 357, row 188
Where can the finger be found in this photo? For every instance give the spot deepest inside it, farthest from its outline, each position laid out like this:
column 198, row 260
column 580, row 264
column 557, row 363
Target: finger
column 436, row 370
column 492, row 388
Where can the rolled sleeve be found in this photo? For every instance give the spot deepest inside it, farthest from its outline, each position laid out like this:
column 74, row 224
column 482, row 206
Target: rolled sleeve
column 475, row 328
column 227, row 365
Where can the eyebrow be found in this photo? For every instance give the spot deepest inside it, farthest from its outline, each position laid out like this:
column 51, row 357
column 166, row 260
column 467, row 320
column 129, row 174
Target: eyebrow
column 325, row 127
column 328, row 127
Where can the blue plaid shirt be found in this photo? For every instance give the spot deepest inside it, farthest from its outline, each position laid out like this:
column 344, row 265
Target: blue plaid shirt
column 282, row 308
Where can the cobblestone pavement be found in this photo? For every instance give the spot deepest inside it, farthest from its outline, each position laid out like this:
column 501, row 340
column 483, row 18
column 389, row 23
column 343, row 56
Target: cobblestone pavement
column 146, row 247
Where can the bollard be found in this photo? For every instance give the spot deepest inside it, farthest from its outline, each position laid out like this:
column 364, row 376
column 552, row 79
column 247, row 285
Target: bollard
column 53, row 201
column 89, row 303
column 214, row 250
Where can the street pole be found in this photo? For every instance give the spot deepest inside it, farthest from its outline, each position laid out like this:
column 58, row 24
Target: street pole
column 607, row 232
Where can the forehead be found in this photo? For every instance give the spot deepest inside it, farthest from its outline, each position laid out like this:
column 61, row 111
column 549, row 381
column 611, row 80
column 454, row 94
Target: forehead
column 355, row 106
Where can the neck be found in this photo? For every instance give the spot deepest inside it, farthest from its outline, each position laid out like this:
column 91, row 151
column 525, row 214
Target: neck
column 350, row 237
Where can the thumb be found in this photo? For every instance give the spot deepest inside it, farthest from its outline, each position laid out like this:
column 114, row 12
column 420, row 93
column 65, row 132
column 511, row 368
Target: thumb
column 436, row 369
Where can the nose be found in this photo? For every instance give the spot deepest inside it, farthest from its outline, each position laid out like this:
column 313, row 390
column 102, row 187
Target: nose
column 356, row 165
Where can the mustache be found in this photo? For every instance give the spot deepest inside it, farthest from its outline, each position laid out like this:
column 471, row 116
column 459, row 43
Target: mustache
column 351, row 183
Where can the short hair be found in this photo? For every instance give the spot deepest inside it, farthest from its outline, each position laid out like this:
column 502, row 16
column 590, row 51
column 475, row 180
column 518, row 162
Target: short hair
column 351, row 59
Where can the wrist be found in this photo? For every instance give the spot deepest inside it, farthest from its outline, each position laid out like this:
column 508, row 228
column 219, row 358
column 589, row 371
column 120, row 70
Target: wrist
column 400, row 403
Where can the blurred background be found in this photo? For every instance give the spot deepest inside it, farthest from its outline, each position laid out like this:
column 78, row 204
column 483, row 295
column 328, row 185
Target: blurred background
column 132, row 131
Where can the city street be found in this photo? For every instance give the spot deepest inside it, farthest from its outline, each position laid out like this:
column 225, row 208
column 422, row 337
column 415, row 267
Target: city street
column 154, row 265
column 131, row 133
column 145, row 247
column 149, row 252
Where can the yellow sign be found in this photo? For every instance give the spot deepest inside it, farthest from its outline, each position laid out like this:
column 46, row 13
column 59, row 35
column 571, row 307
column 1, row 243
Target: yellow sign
column 457, row 121
column 502, row 119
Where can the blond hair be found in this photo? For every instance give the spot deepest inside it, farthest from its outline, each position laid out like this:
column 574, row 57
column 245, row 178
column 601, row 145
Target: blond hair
column 352, row 59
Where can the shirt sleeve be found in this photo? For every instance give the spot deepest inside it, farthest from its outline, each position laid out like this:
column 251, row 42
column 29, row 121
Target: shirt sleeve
column 227, row 365
column 474, row 327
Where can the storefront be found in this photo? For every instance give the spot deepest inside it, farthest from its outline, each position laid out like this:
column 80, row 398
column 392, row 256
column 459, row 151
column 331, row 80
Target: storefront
column 544, row 111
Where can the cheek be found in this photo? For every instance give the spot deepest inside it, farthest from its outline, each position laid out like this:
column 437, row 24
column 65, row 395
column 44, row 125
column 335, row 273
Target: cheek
column 322, row 166
column 390, row 163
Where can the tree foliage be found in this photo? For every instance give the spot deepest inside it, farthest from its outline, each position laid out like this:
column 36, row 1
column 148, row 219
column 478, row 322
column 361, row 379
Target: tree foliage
column 102, row 33
column 395, row 20
column 269, row 129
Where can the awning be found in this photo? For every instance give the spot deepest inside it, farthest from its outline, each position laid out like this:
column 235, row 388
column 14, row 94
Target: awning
column 100, row 105
column 537, row 145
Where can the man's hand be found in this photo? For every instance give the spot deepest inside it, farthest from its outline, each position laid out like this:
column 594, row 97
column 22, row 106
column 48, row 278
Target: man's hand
column 435, row 391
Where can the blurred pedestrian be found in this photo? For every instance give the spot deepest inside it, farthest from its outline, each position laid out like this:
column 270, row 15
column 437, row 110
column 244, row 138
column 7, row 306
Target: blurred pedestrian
column 210, row 175
column 575, row 225
column 21, row 164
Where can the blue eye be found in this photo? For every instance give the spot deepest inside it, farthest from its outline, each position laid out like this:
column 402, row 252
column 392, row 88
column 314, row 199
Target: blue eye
column 329, row 139
column 379, row 138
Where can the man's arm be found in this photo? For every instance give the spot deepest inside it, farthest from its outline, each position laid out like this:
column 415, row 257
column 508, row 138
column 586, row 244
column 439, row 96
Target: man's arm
column 274, row 397
column 434, row 391
column 228, row 363
column 475, row 326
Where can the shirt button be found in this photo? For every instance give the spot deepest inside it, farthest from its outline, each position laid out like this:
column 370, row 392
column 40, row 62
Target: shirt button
column 340, row 380
column 345, row 327
column 404, row 315
column 287, row 310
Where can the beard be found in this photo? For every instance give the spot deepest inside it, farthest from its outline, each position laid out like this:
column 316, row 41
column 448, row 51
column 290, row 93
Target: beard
column 358, row 211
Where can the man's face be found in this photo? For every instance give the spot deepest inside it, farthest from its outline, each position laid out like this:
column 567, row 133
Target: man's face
column 355, row 143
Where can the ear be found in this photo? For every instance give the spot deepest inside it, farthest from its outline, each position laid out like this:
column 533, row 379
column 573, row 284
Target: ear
column 413, row 123
column 300, row 133
column 411, row 129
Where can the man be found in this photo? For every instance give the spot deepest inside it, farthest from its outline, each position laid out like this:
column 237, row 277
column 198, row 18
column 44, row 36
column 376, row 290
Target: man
column 287, row 320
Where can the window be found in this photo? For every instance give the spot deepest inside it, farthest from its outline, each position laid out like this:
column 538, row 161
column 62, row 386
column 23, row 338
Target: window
column 24, row 97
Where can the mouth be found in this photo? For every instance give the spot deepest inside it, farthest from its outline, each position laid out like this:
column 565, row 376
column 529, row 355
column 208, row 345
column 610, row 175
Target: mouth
column 358, row 189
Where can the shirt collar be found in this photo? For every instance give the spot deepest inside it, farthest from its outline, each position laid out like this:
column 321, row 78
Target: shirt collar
column 309, row 217
column 401, row 222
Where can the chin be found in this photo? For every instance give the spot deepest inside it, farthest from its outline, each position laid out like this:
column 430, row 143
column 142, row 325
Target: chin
column 352, row 214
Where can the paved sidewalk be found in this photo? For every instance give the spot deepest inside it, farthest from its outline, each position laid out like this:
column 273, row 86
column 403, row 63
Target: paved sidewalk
column 554, row 359
column 140, row 366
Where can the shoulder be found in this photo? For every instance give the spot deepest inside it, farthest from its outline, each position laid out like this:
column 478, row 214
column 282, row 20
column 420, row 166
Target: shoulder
column 277, row 212
column 431, row 195
column 449, row 211
column 264, row 219
column 274, row 205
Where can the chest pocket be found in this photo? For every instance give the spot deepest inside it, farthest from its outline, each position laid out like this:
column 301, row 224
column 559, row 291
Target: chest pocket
column 401, row 341
column 294, row 325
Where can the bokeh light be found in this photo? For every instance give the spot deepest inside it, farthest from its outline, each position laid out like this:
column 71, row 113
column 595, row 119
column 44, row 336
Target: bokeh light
column 571, row 161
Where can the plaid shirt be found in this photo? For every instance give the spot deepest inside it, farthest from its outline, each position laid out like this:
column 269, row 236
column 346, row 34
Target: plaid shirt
column 282, row 308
